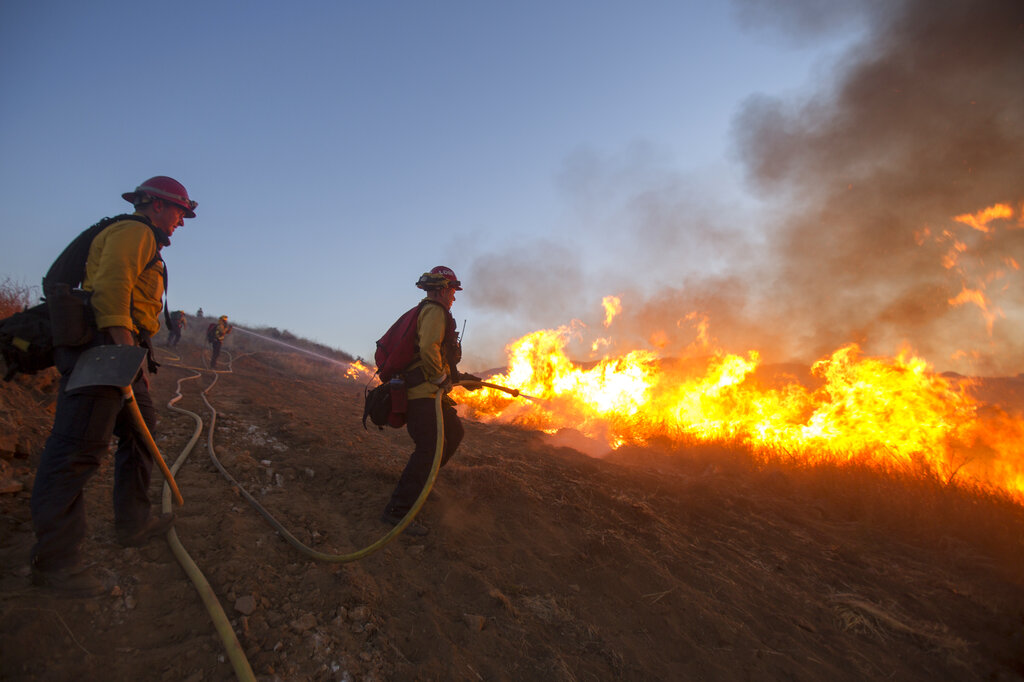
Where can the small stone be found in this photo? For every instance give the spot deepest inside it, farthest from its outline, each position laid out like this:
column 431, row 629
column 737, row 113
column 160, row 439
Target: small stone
column 9, row 486
column 474, row 622
column 306, row 621
column 245, row 605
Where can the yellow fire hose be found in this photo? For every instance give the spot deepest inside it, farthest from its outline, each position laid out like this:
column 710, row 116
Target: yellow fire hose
column 222, row 624
column 233, row 648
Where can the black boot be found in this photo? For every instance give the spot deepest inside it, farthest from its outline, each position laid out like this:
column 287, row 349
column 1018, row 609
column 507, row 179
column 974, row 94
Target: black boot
column 155, row 525
column 75, row 581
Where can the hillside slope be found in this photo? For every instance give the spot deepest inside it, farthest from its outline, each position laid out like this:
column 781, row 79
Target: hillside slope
column 541, row 563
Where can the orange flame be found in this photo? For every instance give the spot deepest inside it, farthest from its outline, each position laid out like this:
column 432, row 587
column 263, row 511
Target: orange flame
column 612, row 307
column 959, row 250
column 357, row 370
column 889, row 412
column 980, row 220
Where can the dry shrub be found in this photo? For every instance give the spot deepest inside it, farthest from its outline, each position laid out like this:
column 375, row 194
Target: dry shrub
column 15, row 297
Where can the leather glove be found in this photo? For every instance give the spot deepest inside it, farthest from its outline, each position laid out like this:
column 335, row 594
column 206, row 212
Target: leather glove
column 463, row 377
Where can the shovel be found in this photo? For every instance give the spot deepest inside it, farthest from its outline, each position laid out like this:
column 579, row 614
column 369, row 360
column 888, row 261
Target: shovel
column 118, row 366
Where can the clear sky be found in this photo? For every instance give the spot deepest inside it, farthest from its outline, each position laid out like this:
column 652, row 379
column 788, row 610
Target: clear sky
column 552, row 153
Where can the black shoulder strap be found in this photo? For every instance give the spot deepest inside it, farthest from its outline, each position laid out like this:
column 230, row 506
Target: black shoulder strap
column 69, row 267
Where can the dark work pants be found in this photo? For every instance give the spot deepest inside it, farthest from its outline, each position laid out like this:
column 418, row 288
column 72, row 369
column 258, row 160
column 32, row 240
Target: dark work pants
column 215, row 354
column 81, row 434
column 421, row 423
column 173, row 336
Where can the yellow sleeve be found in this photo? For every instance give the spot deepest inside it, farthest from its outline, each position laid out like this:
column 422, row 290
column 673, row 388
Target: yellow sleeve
column 430, row 329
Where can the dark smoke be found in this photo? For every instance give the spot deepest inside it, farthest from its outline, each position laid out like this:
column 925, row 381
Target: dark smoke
column 924, row 121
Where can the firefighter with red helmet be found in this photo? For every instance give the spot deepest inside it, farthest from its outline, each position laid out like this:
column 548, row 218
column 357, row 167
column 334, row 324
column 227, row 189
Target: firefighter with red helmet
column 125, row 279
column 433, row 370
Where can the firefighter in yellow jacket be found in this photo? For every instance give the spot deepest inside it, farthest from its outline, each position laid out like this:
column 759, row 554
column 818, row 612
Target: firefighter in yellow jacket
column 126, row 279
column 215, row 335
column 433, row 370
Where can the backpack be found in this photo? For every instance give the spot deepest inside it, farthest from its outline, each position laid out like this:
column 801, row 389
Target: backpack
column 27, row 338
column 397, row 348
column 26, row 341
column 395, row 351
column 211, row 332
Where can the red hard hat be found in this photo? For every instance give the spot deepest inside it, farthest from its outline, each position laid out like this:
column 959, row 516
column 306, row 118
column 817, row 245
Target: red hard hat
column 440, row 277
column 163, row 187
column 448, row 274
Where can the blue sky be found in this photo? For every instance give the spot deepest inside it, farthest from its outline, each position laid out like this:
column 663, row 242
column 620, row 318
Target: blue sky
column 551, row 153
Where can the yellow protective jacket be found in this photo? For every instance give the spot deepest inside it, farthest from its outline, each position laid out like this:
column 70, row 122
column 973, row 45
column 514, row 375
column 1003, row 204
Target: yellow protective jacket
column 221, row 330
column 126, row 278
column 431, row 327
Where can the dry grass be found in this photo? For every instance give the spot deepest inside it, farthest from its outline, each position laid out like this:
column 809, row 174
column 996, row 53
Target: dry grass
column 912, row 503
column 857, row 614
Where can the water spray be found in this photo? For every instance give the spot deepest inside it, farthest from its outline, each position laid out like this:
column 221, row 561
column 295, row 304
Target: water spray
column 297, row 348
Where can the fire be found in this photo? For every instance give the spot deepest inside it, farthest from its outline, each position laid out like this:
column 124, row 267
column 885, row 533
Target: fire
column 973, row 291
column 612, row 307
column 980, row 220
column 891, row 412
column 887, row 411
column 357, row 370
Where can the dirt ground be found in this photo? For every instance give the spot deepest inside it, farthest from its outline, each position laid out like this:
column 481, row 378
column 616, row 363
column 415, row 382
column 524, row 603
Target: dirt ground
column 541, row 563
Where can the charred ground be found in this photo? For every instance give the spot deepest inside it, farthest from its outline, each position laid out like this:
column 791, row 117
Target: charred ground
column 541, row 563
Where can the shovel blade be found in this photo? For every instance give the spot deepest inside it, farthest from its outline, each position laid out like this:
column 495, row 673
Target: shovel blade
column 107, row 366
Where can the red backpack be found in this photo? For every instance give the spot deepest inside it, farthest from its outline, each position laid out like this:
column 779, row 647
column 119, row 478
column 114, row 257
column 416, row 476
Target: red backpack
column 397, row 348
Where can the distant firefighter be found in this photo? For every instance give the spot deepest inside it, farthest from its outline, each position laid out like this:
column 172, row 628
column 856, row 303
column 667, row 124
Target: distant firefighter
column 178, row 321
column 215, row 334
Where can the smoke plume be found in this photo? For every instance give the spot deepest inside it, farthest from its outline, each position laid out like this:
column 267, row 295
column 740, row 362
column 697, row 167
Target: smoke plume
column 924, row 122
column 872, row 186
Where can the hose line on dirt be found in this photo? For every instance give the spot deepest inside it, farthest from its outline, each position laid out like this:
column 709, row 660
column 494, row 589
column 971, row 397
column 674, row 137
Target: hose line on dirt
column 233, row 648
column 369, row 549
